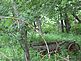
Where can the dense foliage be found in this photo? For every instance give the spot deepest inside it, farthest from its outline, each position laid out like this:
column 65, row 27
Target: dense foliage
column 23, row 22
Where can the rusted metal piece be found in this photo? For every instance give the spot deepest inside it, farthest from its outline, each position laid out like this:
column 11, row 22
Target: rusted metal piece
column 41, row 47
column 55, row 47
column 73, row 47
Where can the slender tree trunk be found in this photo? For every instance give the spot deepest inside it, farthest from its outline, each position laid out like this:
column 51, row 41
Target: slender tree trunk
column 76, row 17
column 67, row 24
column 24, row 42
column 62, row 24
column 22, row 30
column 37, row 25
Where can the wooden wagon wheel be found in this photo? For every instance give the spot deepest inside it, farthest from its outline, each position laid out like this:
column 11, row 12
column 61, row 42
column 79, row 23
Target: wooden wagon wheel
column 72, row 47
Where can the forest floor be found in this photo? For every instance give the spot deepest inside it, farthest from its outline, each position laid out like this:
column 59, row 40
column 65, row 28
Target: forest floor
column 13, row 51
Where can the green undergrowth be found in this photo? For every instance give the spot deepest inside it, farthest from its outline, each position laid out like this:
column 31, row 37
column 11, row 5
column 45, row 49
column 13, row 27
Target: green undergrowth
column 12, row 51
column 35, row 37
column 36, row 56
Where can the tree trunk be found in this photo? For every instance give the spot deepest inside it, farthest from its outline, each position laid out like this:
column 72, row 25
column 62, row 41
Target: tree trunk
column 76, row 17
column 22, row 30
column 24, row 42
column 62, row 24
column 37, row 25
column 67, row 24
column 27, row 57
